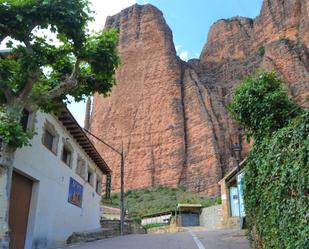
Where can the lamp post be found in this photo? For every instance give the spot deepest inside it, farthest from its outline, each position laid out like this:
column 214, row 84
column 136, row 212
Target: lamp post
column 237, row 151
column 121, row 154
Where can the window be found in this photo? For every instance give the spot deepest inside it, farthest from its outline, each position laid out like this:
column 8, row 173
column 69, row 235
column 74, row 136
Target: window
column 50, row 137
column 66, row 156
column 24, row 119
column 48, row 140
column 81, row 167
column 98, row 187
column 90, row 176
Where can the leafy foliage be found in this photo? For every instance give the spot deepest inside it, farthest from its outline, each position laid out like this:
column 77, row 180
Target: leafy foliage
column 261, row 105
column 11, row 131
column 42, row 71
column 277, row 187
column 149, row 201
column 154, row 225
column 277, row 170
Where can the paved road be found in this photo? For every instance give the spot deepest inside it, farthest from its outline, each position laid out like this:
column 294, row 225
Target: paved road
column 219, row 239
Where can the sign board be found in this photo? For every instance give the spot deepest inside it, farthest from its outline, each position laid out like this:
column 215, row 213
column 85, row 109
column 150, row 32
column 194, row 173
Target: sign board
column 240, row 184
column 75, row 193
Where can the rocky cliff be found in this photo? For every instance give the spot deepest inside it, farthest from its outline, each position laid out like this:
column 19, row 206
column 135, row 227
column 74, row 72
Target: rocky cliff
column 171, row 115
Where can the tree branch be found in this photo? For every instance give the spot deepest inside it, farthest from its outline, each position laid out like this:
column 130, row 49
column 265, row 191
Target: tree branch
column 68, row 83
column 32, row 78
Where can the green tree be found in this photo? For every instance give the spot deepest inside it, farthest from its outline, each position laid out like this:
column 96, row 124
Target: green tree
column 37, row 74
column 276, row 169
column 261, row 105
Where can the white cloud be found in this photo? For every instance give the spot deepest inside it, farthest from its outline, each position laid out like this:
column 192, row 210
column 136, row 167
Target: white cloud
column 184, row 55
column 104, row 8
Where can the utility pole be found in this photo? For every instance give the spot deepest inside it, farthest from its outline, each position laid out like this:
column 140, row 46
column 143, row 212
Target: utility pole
column 121, row 154
column 122, row 214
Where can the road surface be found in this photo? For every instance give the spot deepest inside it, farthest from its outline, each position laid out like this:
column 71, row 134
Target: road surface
column 218, row 239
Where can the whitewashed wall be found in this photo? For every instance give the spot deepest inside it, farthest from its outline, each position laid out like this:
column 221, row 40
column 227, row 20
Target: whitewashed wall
column 163, row 219
column 52, row 218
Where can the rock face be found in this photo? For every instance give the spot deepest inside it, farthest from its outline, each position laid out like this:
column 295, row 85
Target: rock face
column 171, row 116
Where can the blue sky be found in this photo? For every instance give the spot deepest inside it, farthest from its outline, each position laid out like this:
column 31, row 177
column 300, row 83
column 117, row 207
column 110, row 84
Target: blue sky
column 189, row 20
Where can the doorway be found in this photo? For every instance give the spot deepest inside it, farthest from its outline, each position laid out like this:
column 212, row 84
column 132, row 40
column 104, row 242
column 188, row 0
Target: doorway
column 19, row 210
column 190, row 219
column 234, row 201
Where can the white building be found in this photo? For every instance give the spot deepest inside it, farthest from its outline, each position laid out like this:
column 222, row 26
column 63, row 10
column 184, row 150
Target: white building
column 159, row 218
column 56, row 183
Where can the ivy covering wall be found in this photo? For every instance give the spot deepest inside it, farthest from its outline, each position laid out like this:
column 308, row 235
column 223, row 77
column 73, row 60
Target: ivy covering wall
column 276, row 189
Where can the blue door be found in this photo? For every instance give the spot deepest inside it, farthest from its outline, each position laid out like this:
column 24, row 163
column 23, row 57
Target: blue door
column 190, row 219
column 234, row 201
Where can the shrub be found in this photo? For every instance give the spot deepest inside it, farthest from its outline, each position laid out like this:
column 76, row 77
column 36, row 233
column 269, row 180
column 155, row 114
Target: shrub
column 276, row 181
column 148, row 226
column 261, row 105
column 261, row 51
column 277, row 187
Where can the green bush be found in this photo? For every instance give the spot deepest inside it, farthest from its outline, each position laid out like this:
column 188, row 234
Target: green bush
column 276, row 182
column 148, row 226
column 261, row 105
column 277, row 187
column 261, row 51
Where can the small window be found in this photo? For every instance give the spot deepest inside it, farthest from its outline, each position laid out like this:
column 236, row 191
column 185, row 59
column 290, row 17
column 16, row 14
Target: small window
column 50, row 137
column 24, row 119
column 90, row 176
column 81, row 167
column 66, row 155
column 48, row 140
column 98, row 187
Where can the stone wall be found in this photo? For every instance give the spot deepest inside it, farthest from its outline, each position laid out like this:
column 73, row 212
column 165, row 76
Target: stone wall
column 129, row 227
column 211, row 217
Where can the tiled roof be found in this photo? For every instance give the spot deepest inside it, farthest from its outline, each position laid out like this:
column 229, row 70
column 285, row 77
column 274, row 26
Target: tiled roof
column 70, row 123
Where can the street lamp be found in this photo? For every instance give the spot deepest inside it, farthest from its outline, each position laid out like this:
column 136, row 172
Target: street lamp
column 236, row 147
column 121, row 154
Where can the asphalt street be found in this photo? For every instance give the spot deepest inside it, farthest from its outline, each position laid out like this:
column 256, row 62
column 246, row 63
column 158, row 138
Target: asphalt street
column 218, row 239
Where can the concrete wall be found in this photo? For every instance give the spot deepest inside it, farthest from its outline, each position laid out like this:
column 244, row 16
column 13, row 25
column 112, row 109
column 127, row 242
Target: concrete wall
column 211, row 217
column 52, row 218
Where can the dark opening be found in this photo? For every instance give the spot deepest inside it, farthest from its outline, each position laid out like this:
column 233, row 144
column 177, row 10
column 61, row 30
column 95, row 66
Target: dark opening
column 24, row 119
column 48, row 140
column 66, row 155
column 89, row 177
column 98, row 186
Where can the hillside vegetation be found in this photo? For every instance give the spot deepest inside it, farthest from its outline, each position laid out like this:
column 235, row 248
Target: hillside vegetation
column 148, row 201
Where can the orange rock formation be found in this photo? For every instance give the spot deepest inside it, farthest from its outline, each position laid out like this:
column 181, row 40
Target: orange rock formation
column 172, row 115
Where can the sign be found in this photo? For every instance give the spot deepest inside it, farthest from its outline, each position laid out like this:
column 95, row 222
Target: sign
column 240, row 184
column 75, row 193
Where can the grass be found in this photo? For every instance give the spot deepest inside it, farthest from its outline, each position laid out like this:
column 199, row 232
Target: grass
column 148, row 226
column 149, row 201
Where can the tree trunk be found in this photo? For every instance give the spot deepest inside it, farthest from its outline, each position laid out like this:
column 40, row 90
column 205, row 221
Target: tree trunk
column 6, row 171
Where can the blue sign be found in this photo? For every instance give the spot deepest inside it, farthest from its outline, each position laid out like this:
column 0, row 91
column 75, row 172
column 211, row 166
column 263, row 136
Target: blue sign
column 75, row 193
column 240, row 183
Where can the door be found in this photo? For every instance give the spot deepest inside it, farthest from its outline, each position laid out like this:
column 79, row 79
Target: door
column 234, row 201
column 19, row 210
column 190, row 219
